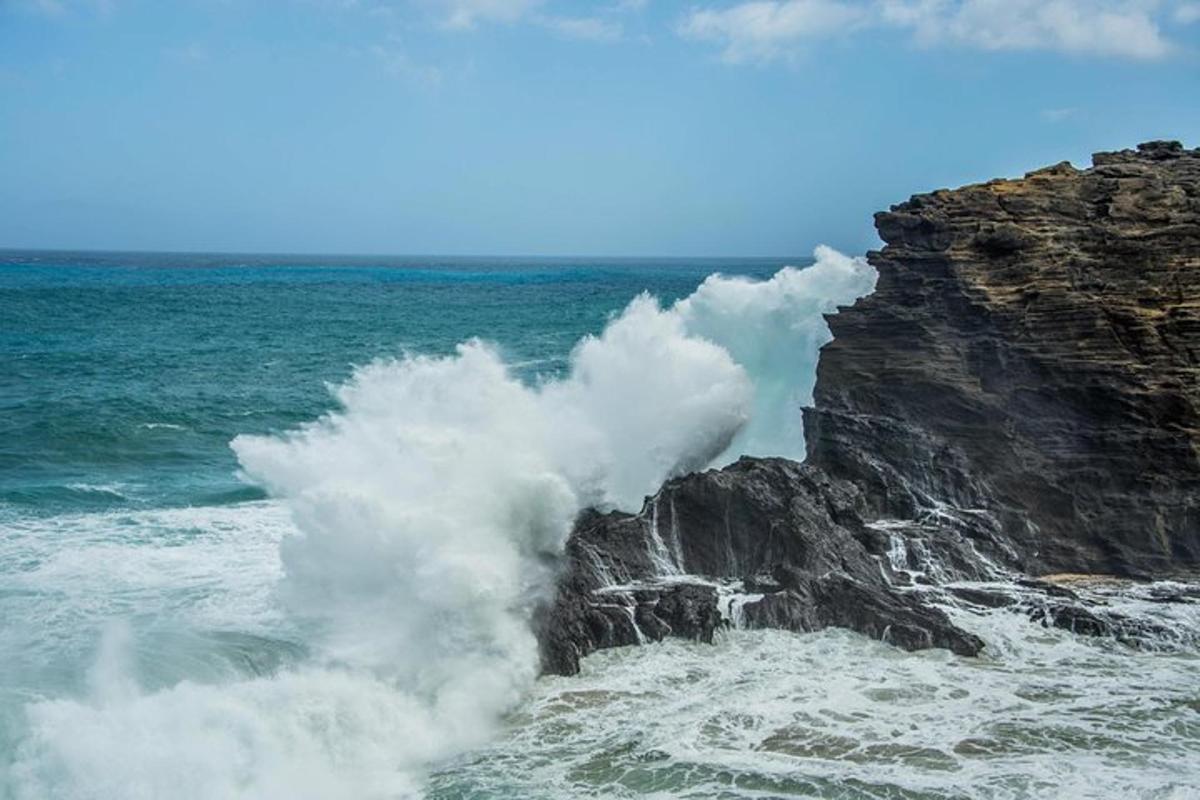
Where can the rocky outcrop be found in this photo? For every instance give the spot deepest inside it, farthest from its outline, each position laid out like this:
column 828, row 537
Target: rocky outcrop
column 1020, row 396
column 761, row 543
column 1032, row 351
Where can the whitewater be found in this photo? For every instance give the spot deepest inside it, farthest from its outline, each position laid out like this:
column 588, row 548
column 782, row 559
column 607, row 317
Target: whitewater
column 348, row 617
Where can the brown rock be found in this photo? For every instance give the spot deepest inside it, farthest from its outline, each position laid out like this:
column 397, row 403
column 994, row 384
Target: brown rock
column 1032, row 349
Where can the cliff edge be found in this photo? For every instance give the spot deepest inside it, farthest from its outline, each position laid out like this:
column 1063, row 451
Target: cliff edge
column 1032, row 350
column 1020, row 396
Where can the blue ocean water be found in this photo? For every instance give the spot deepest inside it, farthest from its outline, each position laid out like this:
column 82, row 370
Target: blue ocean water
column 128, row 537
column 126, row 375
column 171, row 629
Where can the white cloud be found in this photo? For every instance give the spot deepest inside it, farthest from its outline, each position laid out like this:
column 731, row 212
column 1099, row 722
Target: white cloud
column 191, row 53
column 64, row 8
column 1121, row 28
column 606, row 24
column 1187, row 13
column 398, row 64
column 469, row 13
column 1059, row 114
column 764, row 30
column 594, row 29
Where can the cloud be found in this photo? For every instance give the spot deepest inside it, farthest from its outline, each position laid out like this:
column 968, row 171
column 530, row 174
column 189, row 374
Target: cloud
column 398, row 64
column 1059, row 114
column 593, row 29
column 51, row 8
column 62, row 8
column 192, row 53
column 469, row 13
column 1187, row 13
column 766, row 30
column 606, row 24
column 1120, row 28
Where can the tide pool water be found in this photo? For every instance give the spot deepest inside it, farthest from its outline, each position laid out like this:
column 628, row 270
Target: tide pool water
column 272, row 527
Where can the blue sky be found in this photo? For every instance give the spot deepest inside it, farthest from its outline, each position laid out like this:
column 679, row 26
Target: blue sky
column 522, row 127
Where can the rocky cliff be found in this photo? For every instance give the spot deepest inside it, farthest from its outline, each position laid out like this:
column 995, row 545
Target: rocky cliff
column 1020, row 396
column 1032, row 350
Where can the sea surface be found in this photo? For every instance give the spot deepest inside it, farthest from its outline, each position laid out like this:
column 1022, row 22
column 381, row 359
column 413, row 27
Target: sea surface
column 271, row 527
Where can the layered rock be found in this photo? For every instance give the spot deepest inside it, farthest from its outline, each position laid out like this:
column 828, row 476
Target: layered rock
column 1020, row 395
column 1032, row 349
column 761, row 543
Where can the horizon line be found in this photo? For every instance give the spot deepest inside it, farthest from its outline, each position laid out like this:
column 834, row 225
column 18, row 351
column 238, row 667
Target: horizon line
column 333, row 254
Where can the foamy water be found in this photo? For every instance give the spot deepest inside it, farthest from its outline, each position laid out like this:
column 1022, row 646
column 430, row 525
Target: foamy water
column 768, row 714
column 364, row 633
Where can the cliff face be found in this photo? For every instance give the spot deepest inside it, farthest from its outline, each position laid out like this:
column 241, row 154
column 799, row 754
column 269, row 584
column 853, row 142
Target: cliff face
column 1032, row 350
column 1020, row 396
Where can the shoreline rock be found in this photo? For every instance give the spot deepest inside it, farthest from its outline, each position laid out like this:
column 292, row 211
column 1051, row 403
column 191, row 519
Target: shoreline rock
column 1032, row 349
column 1019, row 397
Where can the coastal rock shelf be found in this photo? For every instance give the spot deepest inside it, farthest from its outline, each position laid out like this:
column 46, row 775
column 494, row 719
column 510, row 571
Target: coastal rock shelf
column 1020, row 396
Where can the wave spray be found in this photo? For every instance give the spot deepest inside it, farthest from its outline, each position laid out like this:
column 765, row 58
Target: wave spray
column 428, row 511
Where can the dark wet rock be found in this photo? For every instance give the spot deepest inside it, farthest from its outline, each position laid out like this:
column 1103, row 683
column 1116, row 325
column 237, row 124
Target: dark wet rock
column 1032, row 351
column 984, row 598
column 690, row 611
column 762, row 584
column 812, row 603
column 1048, row 588
column 799, row 534
column 1089, row 621
column 651, row 625
column 1020, row 395
column 1174, row 594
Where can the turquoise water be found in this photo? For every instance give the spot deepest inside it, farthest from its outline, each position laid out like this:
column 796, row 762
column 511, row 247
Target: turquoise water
column 123, row 380
column 127, row 375
column 270, row 529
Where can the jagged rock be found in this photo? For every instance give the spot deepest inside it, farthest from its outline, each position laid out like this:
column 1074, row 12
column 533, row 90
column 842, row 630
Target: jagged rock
column 798, row 532
column 690, row 611
column 1021, row 394
column 984, row 598
column 1174, row 594
column 1032, row 350
column 1079, row 619
column 762, row 584
column 1051, row 589
column 814, row 602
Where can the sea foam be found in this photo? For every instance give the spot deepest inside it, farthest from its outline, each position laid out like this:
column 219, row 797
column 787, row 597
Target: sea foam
column 428, row 510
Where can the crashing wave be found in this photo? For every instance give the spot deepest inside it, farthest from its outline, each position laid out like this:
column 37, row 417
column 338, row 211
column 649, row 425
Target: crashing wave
column 426, row 509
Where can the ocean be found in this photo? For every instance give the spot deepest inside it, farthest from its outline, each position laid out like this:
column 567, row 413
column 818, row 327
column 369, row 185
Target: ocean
column 272, row 527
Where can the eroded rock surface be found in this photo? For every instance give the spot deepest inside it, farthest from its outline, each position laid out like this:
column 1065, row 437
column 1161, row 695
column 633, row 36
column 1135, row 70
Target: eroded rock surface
column 1020, row 396
column 1032, row 349
column 761, row 543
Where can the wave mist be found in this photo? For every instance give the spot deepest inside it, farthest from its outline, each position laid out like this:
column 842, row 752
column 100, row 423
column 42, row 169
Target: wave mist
column 428, row 511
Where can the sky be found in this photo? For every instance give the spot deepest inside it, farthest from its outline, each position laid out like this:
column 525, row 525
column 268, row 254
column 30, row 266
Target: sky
column 547, row 127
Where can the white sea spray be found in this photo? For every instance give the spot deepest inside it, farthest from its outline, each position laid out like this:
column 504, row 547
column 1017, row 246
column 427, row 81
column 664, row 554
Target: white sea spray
column 426, row 508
